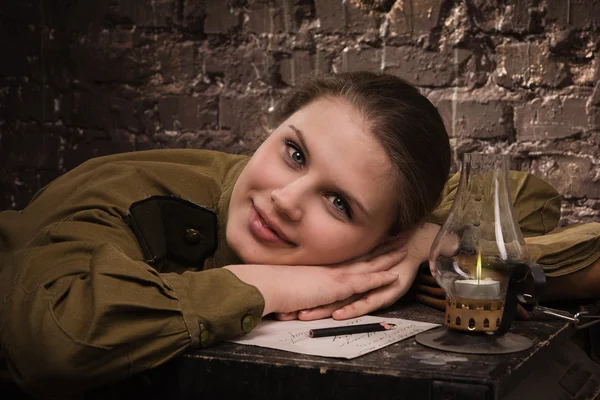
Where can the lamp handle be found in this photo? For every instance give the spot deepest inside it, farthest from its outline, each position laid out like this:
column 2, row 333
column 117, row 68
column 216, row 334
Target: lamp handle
column 516, row 292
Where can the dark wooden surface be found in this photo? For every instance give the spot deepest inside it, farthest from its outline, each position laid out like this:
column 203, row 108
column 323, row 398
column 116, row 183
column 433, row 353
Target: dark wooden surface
column 231, row 370
column 556, row 367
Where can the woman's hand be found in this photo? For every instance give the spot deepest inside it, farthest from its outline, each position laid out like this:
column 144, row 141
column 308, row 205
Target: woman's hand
column 418, row 246
column 288, row 288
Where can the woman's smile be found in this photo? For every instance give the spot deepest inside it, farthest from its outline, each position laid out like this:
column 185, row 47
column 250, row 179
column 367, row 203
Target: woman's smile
column 265, row 230
column 316, row 192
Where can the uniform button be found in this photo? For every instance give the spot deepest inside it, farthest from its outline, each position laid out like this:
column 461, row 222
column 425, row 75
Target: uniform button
column 247, row 323
column 192, row 236
column 206, row 338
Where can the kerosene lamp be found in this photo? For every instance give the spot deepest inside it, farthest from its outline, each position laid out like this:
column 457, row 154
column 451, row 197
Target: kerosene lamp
column 480, row 260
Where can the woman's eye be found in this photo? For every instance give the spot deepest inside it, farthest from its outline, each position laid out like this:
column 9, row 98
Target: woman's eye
column 295, row 153
column 340, row 204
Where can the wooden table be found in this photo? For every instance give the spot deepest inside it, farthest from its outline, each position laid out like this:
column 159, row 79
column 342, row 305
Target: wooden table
column 555, row 368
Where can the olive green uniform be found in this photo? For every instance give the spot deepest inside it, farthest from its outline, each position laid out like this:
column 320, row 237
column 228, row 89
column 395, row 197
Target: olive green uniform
column 81, row 307
column 82, row 302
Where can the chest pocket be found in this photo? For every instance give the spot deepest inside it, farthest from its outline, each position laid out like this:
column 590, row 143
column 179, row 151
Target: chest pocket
column 174, row 230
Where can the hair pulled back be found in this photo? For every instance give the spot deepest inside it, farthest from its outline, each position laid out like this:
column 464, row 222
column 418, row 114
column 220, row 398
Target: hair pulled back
column 404, row 122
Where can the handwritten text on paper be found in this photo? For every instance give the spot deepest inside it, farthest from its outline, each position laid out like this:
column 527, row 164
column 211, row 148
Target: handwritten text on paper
column 293, row 336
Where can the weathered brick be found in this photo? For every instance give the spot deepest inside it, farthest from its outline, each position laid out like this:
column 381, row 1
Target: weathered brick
column 424, row 68
column 205, row 139
column 96, row 143
column 332, row 15
column 79, row 16
column 90, row 108
column 322, row 61
column 31, row 147
column 572, row 176
column 414, row 18
column 155, row 13
column 361, row 59
column 124, row 108
column 106, row 65
column 27, row 102
column 240, row 113
column 193, row 15
column 89, row 63
column 261, row 18
column 220, row 18
column 579, row 14
column 360, row 19
column 17, row 187
column 18, row 43
column 346, row 16
column 553, row 117
column 10, row 109
column 54, row 69
column 476, row 118
column 185, row 113
column 240, row 66
column 270, row 16
column 476, row 70
column 301, row 63
column 595, row 98
column 579, row 211
column 594, row 118
column 518, row 16
column 529, row 64
column 179, row 62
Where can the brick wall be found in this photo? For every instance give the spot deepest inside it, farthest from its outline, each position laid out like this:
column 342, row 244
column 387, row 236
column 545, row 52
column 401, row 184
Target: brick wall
column 80, row 79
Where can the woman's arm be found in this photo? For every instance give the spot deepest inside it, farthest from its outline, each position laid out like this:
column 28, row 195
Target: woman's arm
column 417, row 246
column 81, row 309
column 288, row 288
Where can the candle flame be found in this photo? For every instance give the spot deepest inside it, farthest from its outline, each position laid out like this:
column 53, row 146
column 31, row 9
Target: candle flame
column 478, row 268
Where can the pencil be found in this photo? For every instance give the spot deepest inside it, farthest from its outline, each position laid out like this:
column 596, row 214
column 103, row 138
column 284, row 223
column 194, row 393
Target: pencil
column 349, row 329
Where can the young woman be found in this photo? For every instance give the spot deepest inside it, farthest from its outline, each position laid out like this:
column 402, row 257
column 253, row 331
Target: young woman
column 130, row 259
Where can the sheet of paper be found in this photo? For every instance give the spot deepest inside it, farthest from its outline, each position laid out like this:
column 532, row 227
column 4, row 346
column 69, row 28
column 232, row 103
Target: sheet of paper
column 293, row 336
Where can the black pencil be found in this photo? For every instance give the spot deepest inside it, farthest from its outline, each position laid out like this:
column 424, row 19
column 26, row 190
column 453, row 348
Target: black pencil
column 350, row 329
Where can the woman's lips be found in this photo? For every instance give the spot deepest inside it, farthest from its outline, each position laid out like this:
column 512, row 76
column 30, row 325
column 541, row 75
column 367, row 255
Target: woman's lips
column 261, row 230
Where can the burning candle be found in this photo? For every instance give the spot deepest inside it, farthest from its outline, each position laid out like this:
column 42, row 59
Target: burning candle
column 477, row 288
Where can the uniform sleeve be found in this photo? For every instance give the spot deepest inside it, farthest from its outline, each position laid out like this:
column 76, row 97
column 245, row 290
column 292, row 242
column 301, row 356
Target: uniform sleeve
column 536, row 203
column 79, row 312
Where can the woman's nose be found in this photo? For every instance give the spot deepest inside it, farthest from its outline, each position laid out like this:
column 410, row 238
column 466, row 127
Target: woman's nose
column 287, row 202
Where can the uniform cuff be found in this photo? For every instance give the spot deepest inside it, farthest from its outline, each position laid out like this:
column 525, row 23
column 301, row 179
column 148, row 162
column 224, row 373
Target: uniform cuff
column 216, row 305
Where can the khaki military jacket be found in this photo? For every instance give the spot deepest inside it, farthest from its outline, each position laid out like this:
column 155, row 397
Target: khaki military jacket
column 90, row 296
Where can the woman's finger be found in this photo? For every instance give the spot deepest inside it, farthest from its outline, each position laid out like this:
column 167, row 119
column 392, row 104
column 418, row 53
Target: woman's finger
column 361, row 283
column 380, row 263
column 374, row 300
column 290, row 316
column 319, row 312
column 393, row 244
column 326, row 310
column 366, row 304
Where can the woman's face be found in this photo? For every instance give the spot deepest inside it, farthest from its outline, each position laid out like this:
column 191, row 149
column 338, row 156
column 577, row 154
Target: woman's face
column 317, row 191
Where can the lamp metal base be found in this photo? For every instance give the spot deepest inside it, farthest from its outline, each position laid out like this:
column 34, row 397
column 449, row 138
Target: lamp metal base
column 473, row 343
